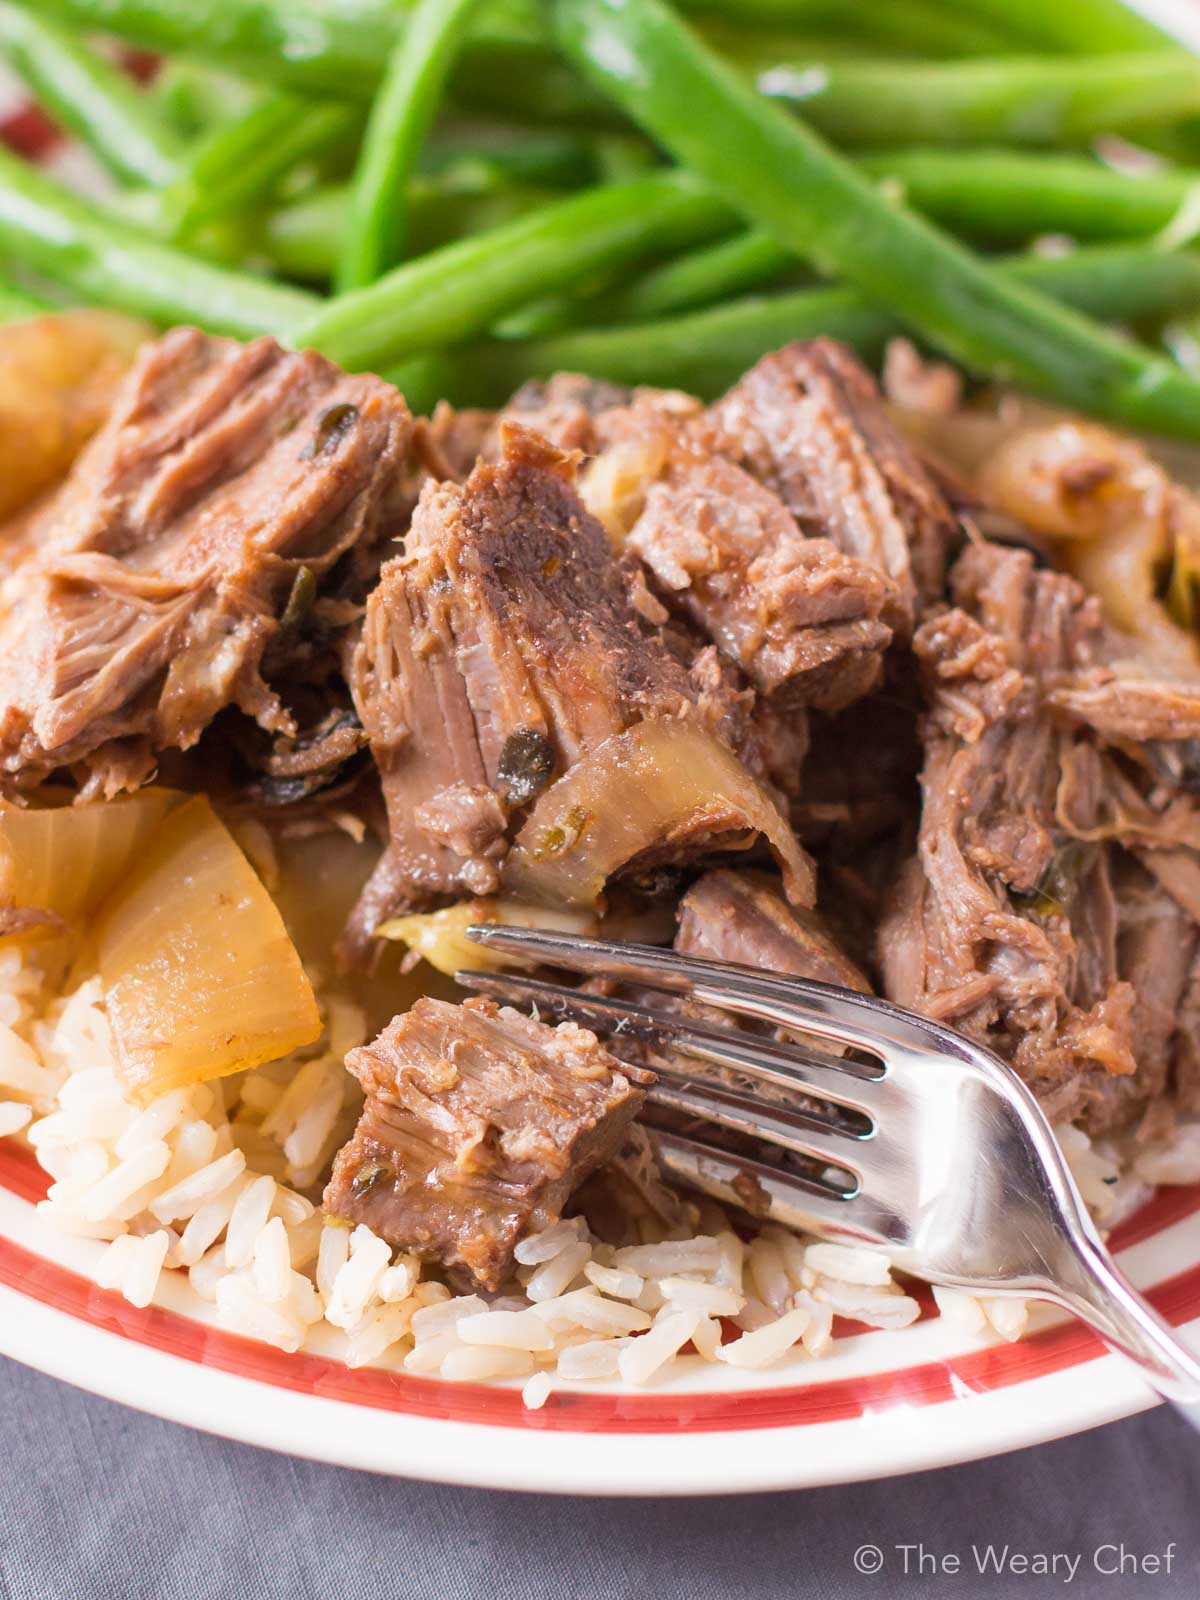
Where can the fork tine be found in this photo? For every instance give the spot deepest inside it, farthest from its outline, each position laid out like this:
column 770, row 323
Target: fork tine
column 768, row 1193
column 789, row 1067
column 806, row 1134
column 852, row 1019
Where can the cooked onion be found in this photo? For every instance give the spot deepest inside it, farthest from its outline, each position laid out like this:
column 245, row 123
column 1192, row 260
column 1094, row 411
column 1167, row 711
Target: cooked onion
column 320, row 877
column 57, row 864
column 58, row 374
column 645, row 793
column 200, row 977
column 441, row 936
column 1119, row 517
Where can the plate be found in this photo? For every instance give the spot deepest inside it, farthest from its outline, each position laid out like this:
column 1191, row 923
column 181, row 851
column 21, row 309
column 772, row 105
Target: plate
column 882, row 1403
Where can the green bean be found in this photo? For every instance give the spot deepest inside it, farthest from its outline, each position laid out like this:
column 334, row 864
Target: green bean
column 329, row 48
column 1021, row 100
column 95, row 100
column 1000, row 196
column 1005, row 197
column 904, row 27
column 301, row 238
column 332, row 49
column 462, row 289
column 485, row 156
column 106, row 263
column 785, row 180
column 704, row 351
column 621, row 156
column 401, row 116
column 714, row 272
column 241, row 160
column 195, row 98
column 1102, row 27
column 315, row 46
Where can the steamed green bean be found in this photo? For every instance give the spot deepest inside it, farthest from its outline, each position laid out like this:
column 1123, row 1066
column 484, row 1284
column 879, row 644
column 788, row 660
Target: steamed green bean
column 400, row 119
column 1025, row 101
column 996, row 196
column 462, row 289
column 89, row 96
column 242, row 159
column 105, row 262
column 784, row 179
column 705, row 351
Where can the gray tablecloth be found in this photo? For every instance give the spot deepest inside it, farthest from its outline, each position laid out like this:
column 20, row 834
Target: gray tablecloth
column 101, row 1503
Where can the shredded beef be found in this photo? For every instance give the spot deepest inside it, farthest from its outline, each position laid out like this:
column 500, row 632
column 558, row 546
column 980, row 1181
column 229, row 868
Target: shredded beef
column 1024, row 921
column 809, row 424
column 799, row 619
column 226, row 475
column 479, row 1124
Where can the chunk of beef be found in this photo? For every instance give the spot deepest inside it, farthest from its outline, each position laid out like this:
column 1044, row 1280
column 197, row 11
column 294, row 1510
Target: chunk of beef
column 500, row 649
column 479, row 1124
column 229, row 479
column 799, row 619
column 1120, row 701
column 1156, row 945
column 1006, row 925
column 809, row 424
column 742, row 917
column 1186, row 1063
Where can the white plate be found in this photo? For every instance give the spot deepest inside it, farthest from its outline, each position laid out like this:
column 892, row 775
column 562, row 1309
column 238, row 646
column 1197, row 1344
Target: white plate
column 883, row 1403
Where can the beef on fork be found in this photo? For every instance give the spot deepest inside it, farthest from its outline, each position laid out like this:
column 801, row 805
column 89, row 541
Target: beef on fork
column 479, row 1124
column 742, row 916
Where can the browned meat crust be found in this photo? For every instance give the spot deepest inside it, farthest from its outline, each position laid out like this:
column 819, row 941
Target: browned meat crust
column 166, row 564
column 479, row 1125
column 1007, row 924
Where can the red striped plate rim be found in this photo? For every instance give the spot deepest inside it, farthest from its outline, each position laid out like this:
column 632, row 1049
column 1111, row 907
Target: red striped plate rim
column 981, row 1371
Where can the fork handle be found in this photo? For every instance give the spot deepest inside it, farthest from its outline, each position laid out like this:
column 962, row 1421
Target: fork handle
column 1100, row 1293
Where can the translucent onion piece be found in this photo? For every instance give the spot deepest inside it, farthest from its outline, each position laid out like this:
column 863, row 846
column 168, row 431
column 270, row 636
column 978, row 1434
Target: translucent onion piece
column 441, row 936
column 1120, row 518
column 665, row 790
column 60, row 863
column 199, row 974
column 319, row 877
column 58, row 375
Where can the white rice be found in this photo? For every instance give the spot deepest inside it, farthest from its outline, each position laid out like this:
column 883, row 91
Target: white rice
column 211, row 1181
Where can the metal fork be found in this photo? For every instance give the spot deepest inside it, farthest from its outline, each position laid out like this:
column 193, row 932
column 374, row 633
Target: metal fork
column 933, row 1150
